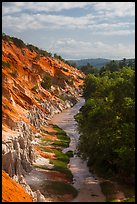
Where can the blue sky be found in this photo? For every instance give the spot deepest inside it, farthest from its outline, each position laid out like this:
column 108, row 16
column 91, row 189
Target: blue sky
column 74, row 30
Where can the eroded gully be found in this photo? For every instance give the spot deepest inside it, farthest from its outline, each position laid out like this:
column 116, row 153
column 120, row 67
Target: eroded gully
column 85, row 182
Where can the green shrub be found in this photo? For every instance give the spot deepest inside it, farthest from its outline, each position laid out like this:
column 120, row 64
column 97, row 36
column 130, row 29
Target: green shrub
column 6, row 37
column 33, row 48
column 38, row 51
column 59, row 187
column 64, row 140
column 110, row 108
column 64, row 144
column 6, row 64
column 14, row 74
column 47, row 82
column 61, row 167
column 69, row 153
column 19, row 43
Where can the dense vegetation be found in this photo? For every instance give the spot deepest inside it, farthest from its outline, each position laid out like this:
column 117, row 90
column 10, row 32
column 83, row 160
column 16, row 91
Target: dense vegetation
column 89, row 69
column 112, row 65
column 107, row 122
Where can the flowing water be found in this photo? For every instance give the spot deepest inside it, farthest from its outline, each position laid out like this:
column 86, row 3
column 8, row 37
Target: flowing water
column 85, row 182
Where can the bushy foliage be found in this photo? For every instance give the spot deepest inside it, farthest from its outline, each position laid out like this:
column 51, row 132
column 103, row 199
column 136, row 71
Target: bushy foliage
column 89, row 69
column 107, row 122
column 47, row 82
column 114, row 65
column 6, row 64
column 38, row 51
column 18, row 42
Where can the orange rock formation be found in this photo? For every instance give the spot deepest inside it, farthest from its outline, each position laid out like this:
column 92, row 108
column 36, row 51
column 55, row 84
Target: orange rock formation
column 26, row 105
column 22, row 73
column 12, row 191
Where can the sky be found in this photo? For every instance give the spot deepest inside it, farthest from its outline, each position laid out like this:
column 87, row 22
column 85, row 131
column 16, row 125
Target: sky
column 74, row 30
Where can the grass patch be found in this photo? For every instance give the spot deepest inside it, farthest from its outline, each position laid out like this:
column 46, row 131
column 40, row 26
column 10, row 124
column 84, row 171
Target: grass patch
column 63, row 137
column 61, row 161
column 61, row 143
column 60, row 155
column 64, row 140
column 61, row 167
column 59, row 130
column 70, row 153
column 61, row 188
column 45, row 140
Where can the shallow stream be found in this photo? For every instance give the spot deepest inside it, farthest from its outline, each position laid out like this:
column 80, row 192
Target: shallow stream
column 84, row 181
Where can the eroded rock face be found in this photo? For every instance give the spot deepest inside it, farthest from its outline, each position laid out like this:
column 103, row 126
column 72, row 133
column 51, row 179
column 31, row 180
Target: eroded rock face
column 27, row 106
column 17, row 152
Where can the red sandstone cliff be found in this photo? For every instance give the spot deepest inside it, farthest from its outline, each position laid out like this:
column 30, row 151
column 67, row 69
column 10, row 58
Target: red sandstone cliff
column 35, row 86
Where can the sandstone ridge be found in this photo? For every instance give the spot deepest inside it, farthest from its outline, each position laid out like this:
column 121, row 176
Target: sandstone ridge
column 35, row 86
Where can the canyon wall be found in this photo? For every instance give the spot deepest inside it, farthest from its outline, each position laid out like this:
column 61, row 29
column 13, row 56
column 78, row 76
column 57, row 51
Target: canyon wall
column 34, row 88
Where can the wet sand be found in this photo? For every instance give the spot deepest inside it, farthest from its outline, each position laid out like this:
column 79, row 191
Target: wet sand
column 85, row 182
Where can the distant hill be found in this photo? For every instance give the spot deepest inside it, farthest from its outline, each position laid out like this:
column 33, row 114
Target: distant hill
column 97, row 62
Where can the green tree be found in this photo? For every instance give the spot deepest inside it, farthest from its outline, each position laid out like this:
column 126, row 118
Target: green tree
column 107, row 123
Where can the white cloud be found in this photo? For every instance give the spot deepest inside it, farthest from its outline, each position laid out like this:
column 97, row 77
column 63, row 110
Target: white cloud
column 41, row 6
column 111, row 9
column 27, row 21
column 34, row 19
column 121, row 28
column 83, row 49
column 43, row 21
column 106, row 9
column 118, row 32
column 101, row 20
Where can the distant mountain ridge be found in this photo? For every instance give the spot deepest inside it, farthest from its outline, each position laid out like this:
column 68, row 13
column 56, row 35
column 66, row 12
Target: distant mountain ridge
column 96, row 62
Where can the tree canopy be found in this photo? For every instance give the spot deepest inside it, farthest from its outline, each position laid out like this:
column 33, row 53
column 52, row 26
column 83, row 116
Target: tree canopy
column 107, row 122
